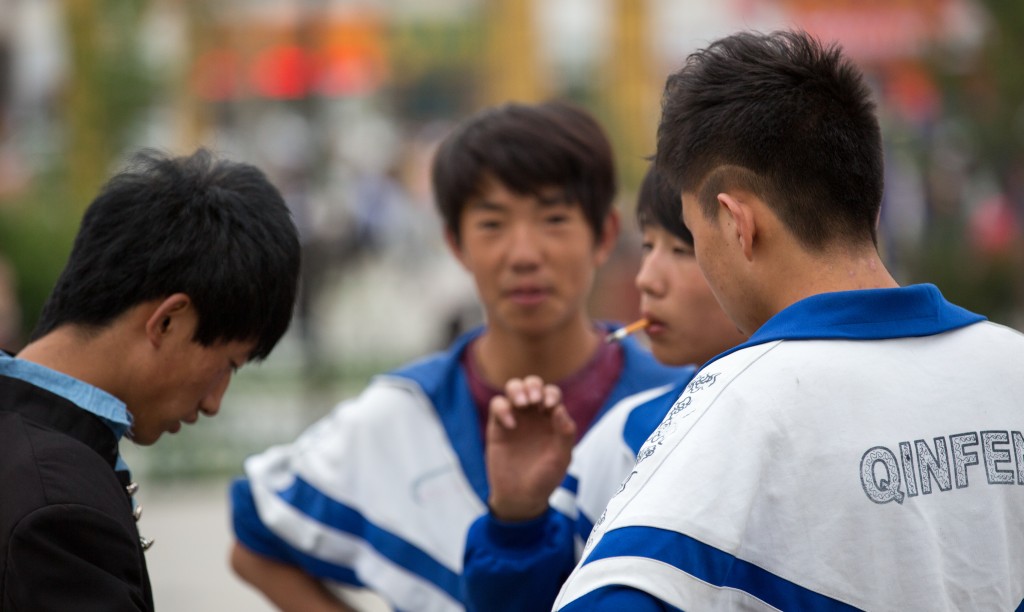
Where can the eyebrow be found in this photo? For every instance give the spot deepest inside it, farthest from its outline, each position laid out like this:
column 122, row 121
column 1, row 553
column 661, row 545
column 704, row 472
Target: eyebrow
column 485, row 205
column 559, row 198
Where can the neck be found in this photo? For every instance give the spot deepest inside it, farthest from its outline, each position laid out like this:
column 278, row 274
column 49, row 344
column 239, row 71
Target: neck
column 805, row 275
column 502, row 354
column 78, row 354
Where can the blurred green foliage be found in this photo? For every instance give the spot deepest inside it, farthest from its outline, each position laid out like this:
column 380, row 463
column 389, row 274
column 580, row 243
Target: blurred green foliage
column 986, row 91
column 36, row 232
column 983, row 94
column 98, row 117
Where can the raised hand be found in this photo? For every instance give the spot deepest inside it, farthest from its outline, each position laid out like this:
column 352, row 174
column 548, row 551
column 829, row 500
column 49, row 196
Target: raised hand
column 530, row 437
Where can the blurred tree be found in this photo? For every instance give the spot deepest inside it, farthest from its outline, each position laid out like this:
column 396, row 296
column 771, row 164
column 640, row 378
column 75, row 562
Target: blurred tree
column 106, row 92
column 512, row 69
column 982, row 91
column 107, row 89
column 986, row 88
column 634, row 91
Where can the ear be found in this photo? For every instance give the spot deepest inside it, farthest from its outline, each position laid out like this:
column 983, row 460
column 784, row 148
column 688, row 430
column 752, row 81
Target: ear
column 167, row 317
column 741, row 214
column 609, row 236
column 454, row 246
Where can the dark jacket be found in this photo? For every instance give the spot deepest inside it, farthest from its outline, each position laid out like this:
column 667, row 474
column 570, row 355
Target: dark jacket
column 68, row 540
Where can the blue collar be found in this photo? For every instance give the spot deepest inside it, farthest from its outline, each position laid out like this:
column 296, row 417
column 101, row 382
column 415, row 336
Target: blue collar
column 867, row 314
column 94, row 400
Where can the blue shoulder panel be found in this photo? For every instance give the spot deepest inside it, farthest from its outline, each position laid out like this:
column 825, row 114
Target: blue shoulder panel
column 444, row 382
column 646, row 417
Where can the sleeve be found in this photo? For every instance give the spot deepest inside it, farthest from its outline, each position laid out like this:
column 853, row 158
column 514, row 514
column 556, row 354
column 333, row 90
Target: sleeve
column 256, row 535
column 276, row 513
column 74, row 557
column 517, row 566
column 250, row 530
column 615, row 599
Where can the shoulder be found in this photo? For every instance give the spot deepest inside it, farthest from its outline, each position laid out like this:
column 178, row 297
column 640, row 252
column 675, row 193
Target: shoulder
column 432, row 373
column 1001, row 337
column 641, row 371
column 386, row 395
column 50, row 469
column 648, row 405
column 48, row 459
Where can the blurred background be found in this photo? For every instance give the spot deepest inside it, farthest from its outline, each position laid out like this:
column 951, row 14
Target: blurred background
column 341, row 102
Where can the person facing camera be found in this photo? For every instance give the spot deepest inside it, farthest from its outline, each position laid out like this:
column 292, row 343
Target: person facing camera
column 379, row 494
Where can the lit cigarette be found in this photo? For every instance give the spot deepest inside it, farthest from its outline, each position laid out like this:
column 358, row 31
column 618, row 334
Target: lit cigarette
column 622, row 332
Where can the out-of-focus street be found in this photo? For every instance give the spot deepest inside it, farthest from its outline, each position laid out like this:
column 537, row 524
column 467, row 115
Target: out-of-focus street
column 188, row 564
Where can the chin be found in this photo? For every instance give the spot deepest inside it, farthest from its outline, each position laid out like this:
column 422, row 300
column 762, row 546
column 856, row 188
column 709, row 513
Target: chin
column 669, row 357
column 144, row 439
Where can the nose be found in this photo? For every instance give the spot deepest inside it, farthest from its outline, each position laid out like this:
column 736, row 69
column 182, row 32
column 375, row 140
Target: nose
column 649, row 278
column 210, row 405
column 524, row 250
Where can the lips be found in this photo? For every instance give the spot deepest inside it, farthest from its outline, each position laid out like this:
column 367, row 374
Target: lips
column 655, row 325
column 176, row 427
column 527, row 296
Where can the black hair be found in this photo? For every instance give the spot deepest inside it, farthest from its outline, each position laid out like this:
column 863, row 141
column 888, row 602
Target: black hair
column 658, row 204
column 527, row 148
column 215, row 230
column 785, row 117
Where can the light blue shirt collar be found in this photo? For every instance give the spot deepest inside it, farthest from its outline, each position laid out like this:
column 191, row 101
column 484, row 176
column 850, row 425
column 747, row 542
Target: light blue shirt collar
column 108, row 408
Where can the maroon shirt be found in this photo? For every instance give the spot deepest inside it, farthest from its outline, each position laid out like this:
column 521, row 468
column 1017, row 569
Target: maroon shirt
column 583, row 393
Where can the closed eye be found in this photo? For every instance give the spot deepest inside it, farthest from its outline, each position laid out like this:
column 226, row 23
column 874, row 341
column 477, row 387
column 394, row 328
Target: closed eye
column 488, row 224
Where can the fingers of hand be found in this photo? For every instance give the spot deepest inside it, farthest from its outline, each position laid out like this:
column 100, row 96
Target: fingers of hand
column 564, row 424
column 552, row 396
column 534, row 389
column 501, row 411
column 527, row 392
column 515, row 391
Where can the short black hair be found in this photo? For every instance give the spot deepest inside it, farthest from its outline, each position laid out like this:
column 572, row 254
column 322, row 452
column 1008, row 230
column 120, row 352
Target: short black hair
column 785, row 117
column 215, row 230
column 527, row 148
column 658, row 204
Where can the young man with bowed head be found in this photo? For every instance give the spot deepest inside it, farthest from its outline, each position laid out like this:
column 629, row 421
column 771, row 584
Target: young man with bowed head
column 519, row 561
column 183, row 270
column 863, row 449
column 380, row 493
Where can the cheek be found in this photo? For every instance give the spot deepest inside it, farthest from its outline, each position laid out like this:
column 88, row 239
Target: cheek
column 218, row 382
column 688, row 287
column 576, row 265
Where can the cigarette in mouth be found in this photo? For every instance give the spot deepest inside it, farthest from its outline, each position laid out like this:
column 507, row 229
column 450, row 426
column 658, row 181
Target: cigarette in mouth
column 622, row 332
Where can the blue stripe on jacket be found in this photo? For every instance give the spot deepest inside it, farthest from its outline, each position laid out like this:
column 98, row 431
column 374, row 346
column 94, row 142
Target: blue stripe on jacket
column 443, row 380
column 711, row 565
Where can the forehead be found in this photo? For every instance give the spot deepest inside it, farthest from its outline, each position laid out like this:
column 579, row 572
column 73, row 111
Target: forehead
column 237, row 350
column 691, row 205
column 493, row 195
